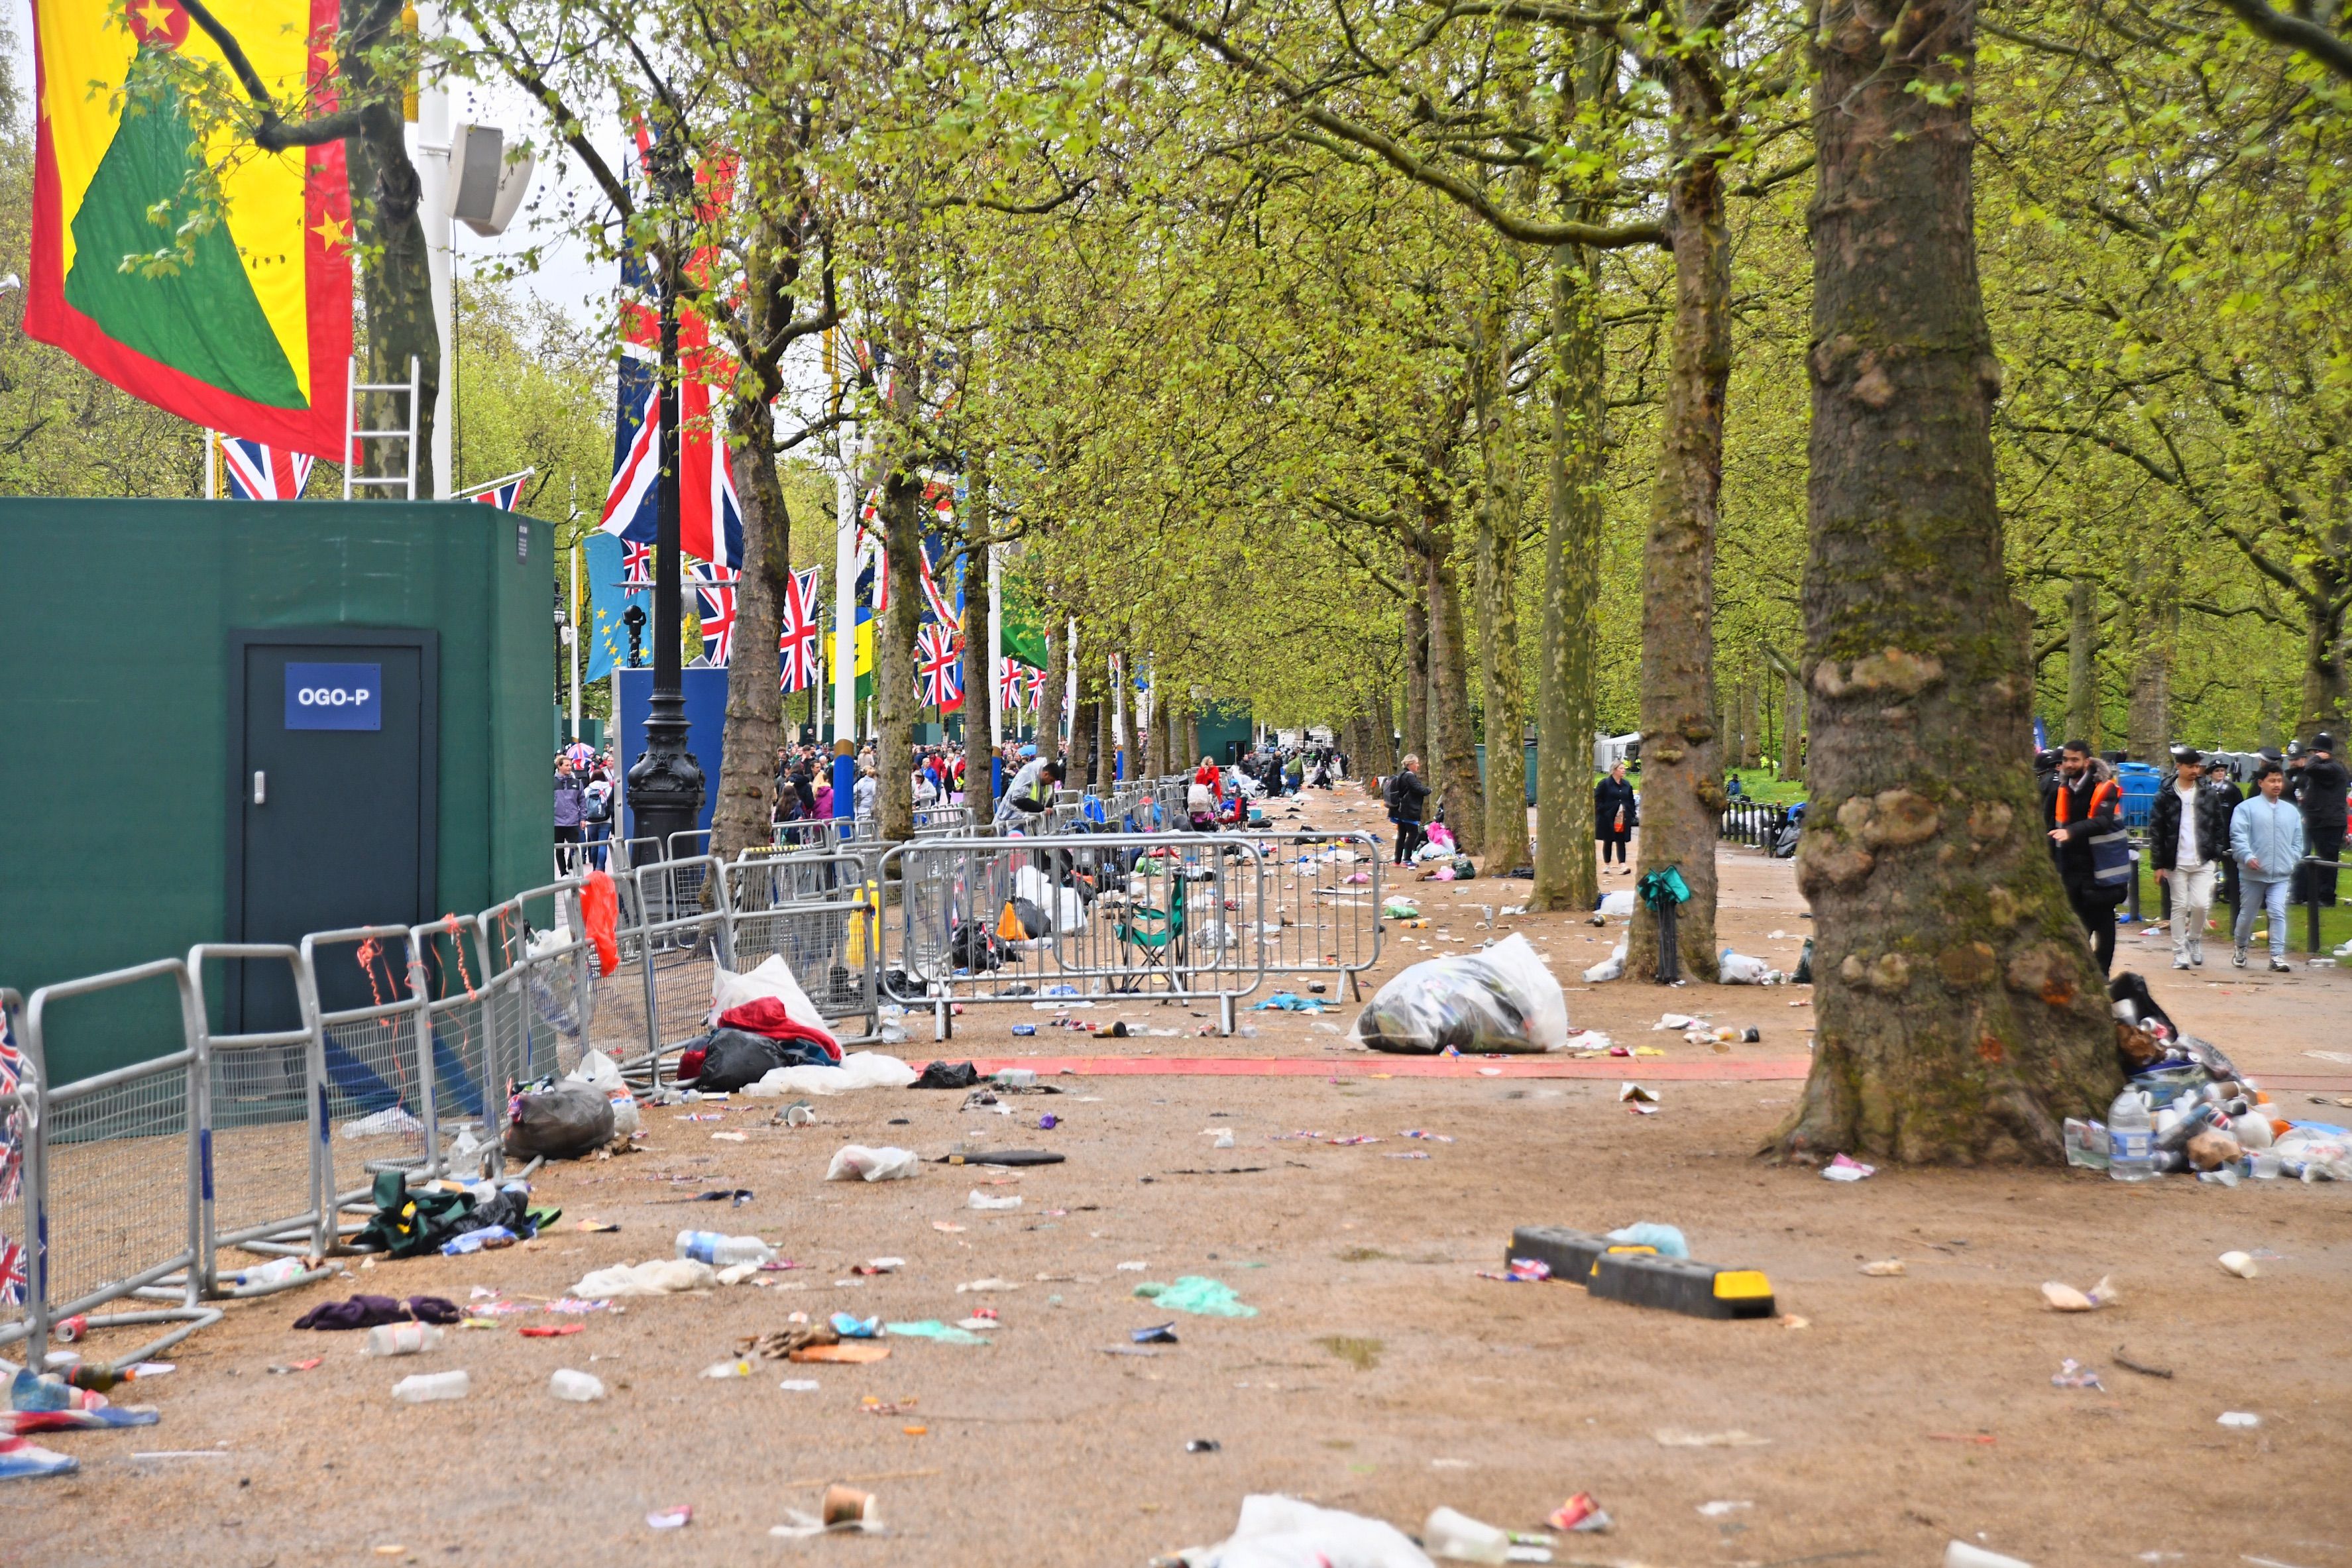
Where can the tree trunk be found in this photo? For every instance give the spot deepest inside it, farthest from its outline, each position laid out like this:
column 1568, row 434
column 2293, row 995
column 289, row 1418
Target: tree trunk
column 1081, row 761
column 395, row 282
column 1049, row 701
column 1682, row 747
column 1792, row 728
column 1382, row 760
column 743, row 814
column 1497, row 552
column 1567, row 712
column 896, row 699
column 2083, row 662
column 1751, row 737
column 1105, row 749
column 2327, row 691
column 979, row 685
column 2148, row 721
column 1152, row 761
column 1960, row 1015
column 1416, row 741
column 1453, row 766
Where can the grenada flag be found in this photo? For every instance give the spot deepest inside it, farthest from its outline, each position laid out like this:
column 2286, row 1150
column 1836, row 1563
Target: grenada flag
column 252, row 334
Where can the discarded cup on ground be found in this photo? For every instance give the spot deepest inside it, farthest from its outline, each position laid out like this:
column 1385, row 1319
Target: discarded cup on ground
column 578, row 1387
column 1960, row 1554
column 1459, row 1537
column 427, row 1386
column 847, row 1506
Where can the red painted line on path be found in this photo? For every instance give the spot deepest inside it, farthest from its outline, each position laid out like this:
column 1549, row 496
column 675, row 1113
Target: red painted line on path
column 1402, row 1066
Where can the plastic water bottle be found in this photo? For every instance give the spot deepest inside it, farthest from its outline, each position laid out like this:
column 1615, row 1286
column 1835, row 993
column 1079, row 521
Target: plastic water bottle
column 1016, row 1078
column 720, row 1250
column 2131, row 1140
column 401, row 1339
column 429, row 1386
column 277, row 1272
column 579, row 1387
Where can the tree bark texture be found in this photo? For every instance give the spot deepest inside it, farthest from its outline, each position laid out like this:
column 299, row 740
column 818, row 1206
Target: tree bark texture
column 1497, row 552
column 2326, row 691
column 1566, row 711
column 2147, row 719
column 2083, row 662
column 1154, row 762
column 1106, row 750
column 894, row 651
column 1960, row 1014
column 1453, row 766
column 1682, row 747
column 1793, row 727
column 1416, row 741
column 1049, row 701
column 395, row 284
column 979, row 688
column 743, row 814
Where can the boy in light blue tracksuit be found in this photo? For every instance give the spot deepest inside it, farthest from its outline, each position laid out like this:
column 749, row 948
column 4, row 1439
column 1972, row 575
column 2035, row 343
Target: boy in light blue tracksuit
column 2265, row 840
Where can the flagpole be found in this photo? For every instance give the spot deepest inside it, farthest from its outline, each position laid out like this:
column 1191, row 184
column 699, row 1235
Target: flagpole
column 575, row 639
column 211, row 475
column 996, row 646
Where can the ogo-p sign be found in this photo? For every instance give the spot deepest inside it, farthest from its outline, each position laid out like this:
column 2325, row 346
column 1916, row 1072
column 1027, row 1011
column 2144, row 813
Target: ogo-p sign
column 334, row 696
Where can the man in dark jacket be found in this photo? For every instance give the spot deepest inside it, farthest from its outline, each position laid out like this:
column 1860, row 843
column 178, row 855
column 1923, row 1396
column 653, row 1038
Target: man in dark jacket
column 2083, row 800
column 2320, row 786
column 1407, row 791
column 2188, row 837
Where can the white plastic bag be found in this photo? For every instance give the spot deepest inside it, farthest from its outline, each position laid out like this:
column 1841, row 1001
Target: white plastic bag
column 1609, row 968
column 773, row 977
column 1618, row 905
column 658, row 1277
column 858, row 1069
column 598, row 1071
column 1739, row 969
column 1278, row 1532
column 1502, row 999
column 857, row 1162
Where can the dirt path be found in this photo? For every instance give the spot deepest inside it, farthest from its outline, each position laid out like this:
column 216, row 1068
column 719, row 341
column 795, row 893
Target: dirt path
column 1381, row 1374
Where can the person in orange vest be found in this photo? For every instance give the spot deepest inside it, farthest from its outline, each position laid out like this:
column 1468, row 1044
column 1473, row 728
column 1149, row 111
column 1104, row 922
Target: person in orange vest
column 2082, row 798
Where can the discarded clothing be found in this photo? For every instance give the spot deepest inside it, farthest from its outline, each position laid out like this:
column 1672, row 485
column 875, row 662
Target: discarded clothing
column 406, row 1224
column 948, row 1075
column 735, row 1058
column 367, row 1312
column 768, row 1016
column 658, row 1277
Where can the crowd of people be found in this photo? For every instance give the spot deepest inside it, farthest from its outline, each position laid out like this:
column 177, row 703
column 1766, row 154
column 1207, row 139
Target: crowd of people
column 2264, row 849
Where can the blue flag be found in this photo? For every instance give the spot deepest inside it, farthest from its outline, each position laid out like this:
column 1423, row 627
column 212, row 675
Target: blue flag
column 608, row 600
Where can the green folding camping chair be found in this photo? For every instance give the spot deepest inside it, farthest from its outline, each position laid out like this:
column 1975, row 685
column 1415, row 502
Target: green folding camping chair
column 1156, row 937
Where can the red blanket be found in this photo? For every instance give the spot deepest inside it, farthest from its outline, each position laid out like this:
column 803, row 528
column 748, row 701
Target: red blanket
column 766, row 1017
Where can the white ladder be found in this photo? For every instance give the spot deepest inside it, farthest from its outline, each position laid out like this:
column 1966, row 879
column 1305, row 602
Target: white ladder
column 404, row 481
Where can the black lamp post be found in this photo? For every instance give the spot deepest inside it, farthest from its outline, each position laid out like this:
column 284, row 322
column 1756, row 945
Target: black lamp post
column 635, row 619
column 666, row 785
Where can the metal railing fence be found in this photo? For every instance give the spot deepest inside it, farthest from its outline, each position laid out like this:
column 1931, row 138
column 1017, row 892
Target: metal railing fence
column 129, row 1189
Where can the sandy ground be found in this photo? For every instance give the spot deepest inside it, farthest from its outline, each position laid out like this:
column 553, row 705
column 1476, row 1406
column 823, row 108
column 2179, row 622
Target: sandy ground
column 1381, row 1374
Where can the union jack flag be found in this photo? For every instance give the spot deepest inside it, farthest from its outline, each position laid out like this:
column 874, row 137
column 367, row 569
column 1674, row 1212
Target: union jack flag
column 13, row 1280
column 938, row 667
column 12, row 1060
column 501, row 496
column 715, row 588
column 256, row 472
column 796, row 633
column 710, row 520
column 636, row 563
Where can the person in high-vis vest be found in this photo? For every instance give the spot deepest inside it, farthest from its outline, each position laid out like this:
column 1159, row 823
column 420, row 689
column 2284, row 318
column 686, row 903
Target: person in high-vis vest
column 2084, row 798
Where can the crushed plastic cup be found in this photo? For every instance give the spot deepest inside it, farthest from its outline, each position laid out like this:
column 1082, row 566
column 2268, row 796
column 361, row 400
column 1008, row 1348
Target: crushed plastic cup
column 577, row 1387
column 979, row 1200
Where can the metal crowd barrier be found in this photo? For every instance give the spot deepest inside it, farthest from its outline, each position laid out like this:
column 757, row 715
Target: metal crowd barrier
column 1083, row 916
column 127, row 1186
column 1752, row 822
column 1321, row 909
column 113, row 1172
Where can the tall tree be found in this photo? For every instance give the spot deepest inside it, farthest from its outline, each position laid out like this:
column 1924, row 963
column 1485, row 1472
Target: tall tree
column 1961, row 1016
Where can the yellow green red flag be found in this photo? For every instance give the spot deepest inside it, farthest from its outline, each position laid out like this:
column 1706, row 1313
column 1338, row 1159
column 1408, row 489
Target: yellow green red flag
column 250, row 333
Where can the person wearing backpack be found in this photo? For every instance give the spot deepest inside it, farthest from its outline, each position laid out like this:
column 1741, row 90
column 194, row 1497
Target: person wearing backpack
column 569, row 802
column 1407, row 791
column 2082, row 805
column 596, row 816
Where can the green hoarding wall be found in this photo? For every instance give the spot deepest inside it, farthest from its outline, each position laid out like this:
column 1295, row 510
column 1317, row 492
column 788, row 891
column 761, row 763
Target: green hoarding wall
column 114, row 696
